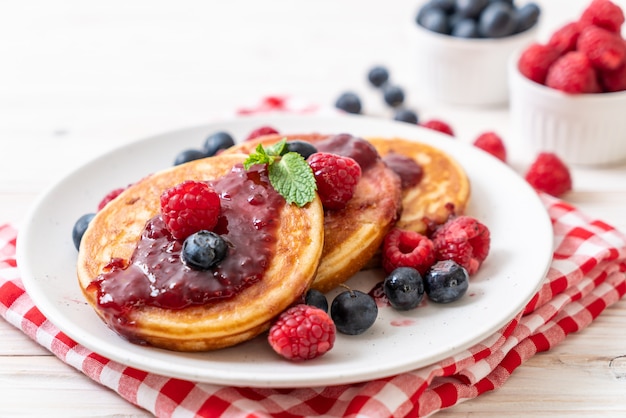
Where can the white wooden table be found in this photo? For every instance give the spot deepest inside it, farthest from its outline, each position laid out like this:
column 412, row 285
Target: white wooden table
column 78, row 78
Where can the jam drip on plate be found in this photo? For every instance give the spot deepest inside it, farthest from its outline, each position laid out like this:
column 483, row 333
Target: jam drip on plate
column 156, row 276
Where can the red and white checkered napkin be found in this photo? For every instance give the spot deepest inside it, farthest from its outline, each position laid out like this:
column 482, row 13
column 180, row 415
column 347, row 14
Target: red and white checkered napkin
column 586, row 276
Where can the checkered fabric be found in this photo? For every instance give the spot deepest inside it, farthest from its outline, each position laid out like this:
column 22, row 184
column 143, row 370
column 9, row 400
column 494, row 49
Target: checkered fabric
column 586, row 276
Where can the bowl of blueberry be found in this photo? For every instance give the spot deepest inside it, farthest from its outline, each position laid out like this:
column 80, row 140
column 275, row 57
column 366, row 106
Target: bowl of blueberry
column 461, row 48
column 568, row 92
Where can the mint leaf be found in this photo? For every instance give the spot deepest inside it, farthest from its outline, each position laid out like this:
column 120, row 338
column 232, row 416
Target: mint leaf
column 293, row 178
column 289, row 172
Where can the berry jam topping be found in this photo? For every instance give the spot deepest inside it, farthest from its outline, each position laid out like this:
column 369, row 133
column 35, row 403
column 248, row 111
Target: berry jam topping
column 409, row 171
column 347, row 145
column 156, row 275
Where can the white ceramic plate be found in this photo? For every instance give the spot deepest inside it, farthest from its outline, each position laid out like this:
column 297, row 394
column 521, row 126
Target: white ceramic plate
column 520, row 255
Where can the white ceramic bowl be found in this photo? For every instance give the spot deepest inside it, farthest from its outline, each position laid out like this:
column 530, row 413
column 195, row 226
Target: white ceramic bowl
column 462, row 71
column 583, row 129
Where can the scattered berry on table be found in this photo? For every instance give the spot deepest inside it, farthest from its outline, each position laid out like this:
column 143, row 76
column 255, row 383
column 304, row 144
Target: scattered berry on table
column 378, row 76
column 606, row 50
column 464, row 240
column 492, row 143
column 406, row 115
column 604, row 14
column 549, row 174
column 353, row 312
column 314, row 297
column 349, row 102
column 217, row 141
column 260, row 131
column 446, row 282
column 573, row 73
column 393, row 95
column 536, row 60
column 301, row 333
column 404, row 288
column 189, row 207
column 336, row 178
column 203, row 250
column 439, row 126
column 304, row 148
column 80, row 226
column 110, row 196
column 405, row 248
column 188, row 155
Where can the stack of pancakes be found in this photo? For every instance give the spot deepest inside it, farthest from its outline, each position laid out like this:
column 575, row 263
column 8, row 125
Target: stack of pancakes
column 316, row 248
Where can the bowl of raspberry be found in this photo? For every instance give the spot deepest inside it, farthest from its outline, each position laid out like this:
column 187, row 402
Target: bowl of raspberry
column 568, row 94
column 461, row 48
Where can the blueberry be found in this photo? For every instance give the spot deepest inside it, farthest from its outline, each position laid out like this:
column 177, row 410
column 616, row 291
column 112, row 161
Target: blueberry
column 378, row 76
column 303, row 148
column 404, row 288
column 217, row 141
column 446, row 281
column 526, row 17
column 353, row 312
column 393, row 95
column 316, row 298
column 471, row 8
column 203, row 250
column 188, row 155
column 435, row 19
column 406, row 115
column 349, row 102
column 80, row 227
column 447, row 6
column 497, row 20
column 465, row 28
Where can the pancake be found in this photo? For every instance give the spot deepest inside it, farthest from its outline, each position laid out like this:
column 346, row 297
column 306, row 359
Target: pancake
column 444, row 189
column 115, row 231
column 353, row 235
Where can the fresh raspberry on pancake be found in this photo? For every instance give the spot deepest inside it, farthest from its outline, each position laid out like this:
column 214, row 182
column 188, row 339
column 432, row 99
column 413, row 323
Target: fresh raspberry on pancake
column 463, row 239
column 302, row 332
column 549, row 174
column 261, row 131
column 492, row 143
column 189, row 207
column 405, row 248
column 336, row 178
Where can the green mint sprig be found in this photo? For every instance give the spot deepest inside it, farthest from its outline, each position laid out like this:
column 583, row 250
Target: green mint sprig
column 289, row 172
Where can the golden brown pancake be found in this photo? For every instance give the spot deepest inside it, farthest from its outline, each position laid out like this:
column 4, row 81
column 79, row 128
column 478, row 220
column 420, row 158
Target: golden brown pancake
column 443, row 190
column 116, row 229
column 352, row 235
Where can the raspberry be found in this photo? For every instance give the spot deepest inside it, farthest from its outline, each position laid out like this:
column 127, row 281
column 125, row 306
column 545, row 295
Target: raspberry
column 564, row 39
column 260, row 131
column 573, row 73
column 110, row 196
column 606, row 50
column 336, row 178
column 604, row 14
column 464, row 240
column 189, row 207
column 404, row 248
column 549, row 174
column 536, row 60
column 491, row 143
column 614, row 80
column 438, row 125
column 302, row 332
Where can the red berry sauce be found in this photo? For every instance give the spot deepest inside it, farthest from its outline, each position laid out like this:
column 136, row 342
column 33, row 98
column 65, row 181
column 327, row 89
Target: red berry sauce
column 409, row 171
column 347, row 145
column 156, row 276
